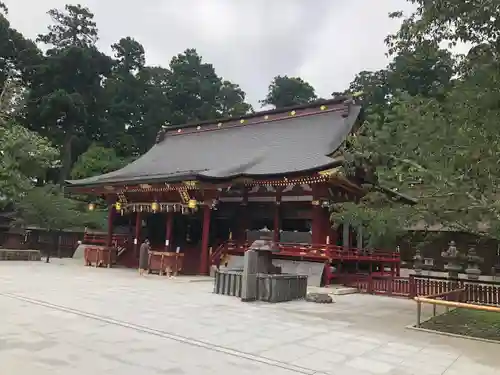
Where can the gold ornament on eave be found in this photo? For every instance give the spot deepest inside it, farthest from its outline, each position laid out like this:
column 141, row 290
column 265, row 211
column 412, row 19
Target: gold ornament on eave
column 91, row 206
column 155, row 206
column 192, row 203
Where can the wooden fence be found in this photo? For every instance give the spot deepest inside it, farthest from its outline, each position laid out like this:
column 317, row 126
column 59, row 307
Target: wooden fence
column 480, row 292
column 62, row 244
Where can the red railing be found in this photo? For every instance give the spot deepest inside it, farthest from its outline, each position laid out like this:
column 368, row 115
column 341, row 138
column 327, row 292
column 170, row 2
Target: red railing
column 90, row 238
column 480, row 292
column 312, row 252
column 382, row 285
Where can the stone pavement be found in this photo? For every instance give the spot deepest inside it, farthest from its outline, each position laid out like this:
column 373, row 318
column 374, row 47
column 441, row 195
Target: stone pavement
column 62, row 318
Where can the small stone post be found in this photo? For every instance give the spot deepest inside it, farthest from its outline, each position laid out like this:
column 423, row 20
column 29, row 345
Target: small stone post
column 417, row 262
column 249, row 277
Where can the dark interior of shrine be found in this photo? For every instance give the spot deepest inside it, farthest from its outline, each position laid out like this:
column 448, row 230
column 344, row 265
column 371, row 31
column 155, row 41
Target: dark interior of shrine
column 187, row 229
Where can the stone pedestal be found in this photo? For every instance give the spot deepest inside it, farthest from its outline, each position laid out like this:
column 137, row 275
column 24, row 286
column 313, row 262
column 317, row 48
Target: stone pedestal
column 249, row 278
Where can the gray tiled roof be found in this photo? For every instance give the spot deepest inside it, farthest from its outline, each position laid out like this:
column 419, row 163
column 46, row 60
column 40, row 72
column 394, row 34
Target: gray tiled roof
column 289, row 145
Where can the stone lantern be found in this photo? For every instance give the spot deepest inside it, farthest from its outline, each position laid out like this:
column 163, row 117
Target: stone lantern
column 452, row 258
column 473, row 261
column 417, row 262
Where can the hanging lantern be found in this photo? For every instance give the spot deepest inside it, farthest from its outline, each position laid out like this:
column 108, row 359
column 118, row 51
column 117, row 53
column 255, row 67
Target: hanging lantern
column 192, row 203
column 118, row 206
column 91, row 206
column 155, row 206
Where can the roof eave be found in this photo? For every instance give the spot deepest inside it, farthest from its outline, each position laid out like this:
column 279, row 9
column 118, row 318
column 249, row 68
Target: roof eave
column 199, row 177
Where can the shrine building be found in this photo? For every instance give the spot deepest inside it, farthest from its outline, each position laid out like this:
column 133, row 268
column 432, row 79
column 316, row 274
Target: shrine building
column 208, row 190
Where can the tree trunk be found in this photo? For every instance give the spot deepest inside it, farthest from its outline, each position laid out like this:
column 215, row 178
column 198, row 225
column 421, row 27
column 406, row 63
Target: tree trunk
column 49, row 250
column 66, row 156
column 59, row 238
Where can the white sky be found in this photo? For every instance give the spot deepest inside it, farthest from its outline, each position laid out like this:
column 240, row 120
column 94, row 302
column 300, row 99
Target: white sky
column 326, row 42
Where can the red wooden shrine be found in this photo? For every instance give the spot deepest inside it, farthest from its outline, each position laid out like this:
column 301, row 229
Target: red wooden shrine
column 207, row 190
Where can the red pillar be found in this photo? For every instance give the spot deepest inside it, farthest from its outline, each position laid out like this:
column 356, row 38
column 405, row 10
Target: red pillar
column 109, row 238
column 204, row 241
column 138, row 222
column 168, row 230
column 318, row 217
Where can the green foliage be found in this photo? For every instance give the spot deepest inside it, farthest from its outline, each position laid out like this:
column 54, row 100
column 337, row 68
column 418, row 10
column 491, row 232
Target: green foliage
column 25, row 156
column 97, row 160
column 423, row 69
column 64, row 100
column 442, row 151
column 287, row 91
column 129, row 54
column 232, row 100
column 18, row 56
column 73, row 27
column 472, row 21
column 197, row 93
column 75, row 95
column 46, row 207
column 431, row 127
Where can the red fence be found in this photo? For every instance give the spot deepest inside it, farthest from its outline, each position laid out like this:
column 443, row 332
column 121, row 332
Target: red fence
column 311, row 252
column 480, row 292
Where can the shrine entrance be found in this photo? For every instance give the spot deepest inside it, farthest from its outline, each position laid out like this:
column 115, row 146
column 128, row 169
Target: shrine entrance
column 155, row 230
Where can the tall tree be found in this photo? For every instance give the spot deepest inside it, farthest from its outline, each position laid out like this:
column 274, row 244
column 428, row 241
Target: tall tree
column 95, row 161
column 124, row 98
column 18, row 55
column 436, row 137
column 287, row 91
column 422, row 69
column 194, row 88
column 197, row 93
column 130, row 55
column 232, row 100
column 65, row 99
column 73, row 27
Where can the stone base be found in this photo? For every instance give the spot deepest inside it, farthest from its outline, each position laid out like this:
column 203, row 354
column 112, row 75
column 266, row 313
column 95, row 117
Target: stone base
column 313, row 270
column 344, row 291
column 333, row 290
column 319, row 298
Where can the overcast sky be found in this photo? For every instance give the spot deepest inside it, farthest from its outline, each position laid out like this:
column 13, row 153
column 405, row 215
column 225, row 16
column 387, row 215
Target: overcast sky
column 326, row 42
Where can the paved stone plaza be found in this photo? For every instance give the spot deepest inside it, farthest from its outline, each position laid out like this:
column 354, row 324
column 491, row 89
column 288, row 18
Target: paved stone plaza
column 63, row 318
